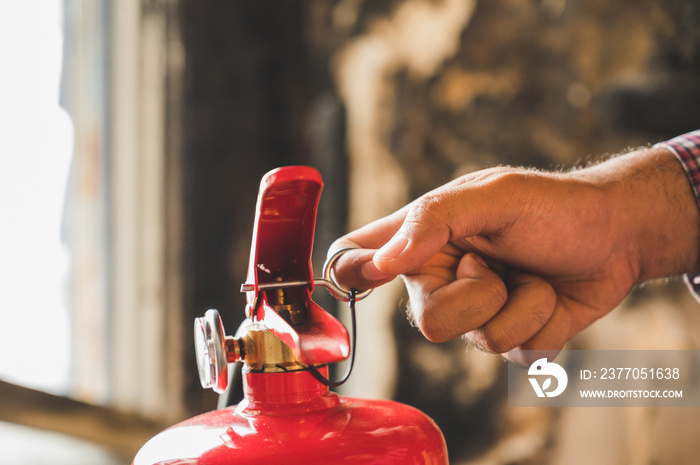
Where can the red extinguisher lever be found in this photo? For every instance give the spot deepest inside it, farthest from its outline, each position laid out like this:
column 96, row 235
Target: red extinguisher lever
column 278, row 292
column 280, row 277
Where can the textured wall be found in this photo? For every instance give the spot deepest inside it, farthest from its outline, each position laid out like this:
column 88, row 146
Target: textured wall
column 254, row 98
column 434, row 89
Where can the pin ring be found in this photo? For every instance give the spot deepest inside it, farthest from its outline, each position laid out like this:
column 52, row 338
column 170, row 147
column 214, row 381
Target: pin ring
column 330, row 283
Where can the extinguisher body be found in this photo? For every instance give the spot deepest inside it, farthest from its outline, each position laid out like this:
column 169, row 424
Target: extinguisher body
column 288, row 414
column 291, row 418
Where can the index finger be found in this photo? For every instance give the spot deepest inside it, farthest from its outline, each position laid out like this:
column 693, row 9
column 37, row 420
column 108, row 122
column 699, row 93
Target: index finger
column 357, row 269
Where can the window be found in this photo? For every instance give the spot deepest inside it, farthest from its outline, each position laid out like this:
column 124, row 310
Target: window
column 35, row 149
column 87, row 264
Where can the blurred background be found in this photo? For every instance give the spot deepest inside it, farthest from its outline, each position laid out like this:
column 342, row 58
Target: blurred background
column 133, row 136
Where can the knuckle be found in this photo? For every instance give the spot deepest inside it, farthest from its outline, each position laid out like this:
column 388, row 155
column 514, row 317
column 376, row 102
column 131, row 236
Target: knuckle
column 432, row 326
column 540, row 315
column 430, row 214
column 542, row 299
column 440, row 203
column 511, row 179
column 488, row 174
column 496, row 339
column 497, row 292
column 545, row 301
column 429, row 207
column 434, row 334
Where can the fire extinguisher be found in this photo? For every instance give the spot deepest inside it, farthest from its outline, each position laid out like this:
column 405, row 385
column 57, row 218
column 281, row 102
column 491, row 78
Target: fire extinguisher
column 288, row 414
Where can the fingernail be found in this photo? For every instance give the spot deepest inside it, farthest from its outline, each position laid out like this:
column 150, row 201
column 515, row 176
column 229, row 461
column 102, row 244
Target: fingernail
column 393, row 248
column 372, row 273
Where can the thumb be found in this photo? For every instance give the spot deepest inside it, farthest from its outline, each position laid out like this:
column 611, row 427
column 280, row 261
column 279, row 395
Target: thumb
column 424, row 231
column 469, row 206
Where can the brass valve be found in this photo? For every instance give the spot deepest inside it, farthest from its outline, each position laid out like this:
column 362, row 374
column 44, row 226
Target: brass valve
column 255, row 345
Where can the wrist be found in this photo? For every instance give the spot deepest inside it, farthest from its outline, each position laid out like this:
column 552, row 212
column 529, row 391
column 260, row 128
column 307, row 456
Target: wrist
column 655, row 212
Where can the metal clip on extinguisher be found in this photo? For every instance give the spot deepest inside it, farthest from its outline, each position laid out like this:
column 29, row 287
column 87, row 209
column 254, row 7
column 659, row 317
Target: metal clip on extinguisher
column 286, row 343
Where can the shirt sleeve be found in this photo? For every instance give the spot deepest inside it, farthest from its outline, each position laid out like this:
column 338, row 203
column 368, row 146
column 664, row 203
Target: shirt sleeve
column 687, row 151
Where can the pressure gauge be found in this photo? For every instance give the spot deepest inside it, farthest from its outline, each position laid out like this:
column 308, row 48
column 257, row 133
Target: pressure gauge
column 211, row 351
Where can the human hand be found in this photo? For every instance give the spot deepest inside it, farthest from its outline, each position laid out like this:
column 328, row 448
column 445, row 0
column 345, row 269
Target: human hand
column 516, row 258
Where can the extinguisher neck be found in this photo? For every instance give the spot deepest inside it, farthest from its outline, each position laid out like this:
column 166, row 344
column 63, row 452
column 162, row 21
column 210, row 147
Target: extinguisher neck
column 285, row 393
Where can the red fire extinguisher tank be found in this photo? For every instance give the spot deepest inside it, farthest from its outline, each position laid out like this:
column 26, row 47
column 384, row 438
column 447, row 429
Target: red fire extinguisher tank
column 291, row 418
column 288, row 415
